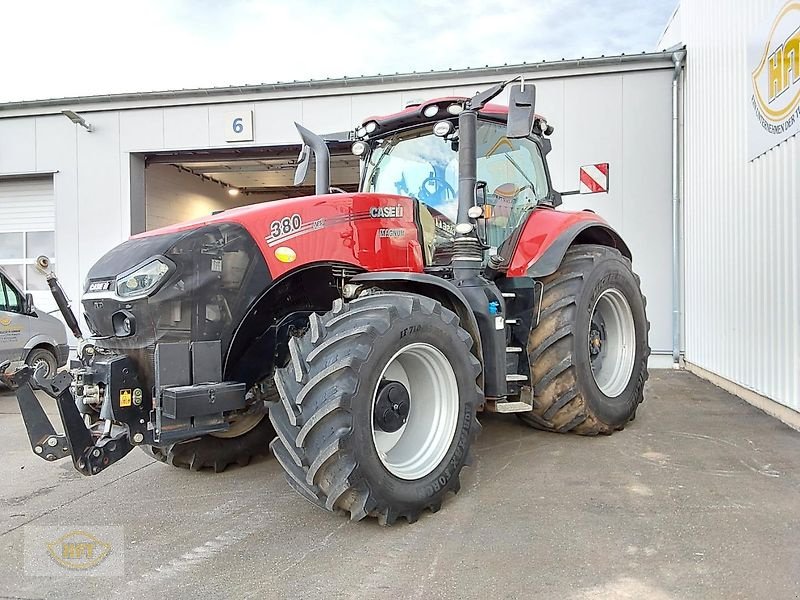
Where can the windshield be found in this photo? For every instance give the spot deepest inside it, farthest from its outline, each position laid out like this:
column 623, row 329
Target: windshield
column 418, row 164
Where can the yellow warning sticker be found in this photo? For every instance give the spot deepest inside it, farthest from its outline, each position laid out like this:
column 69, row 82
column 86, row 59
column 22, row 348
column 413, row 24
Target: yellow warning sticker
column 125, row 397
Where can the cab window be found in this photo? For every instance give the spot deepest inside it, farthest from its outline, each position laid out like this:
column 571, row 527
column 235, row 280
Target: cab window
column 515, row 177
column 418, row 164
column 10, row 299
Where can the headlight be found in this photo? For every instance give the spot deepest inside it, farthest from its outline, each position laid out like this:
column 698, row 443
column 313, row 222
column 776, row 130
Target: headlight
column 143, row 280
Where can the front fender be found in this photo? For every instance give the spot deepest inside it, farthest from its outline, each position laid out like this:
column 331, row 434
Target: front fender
column 547, row 234
column 434, row 287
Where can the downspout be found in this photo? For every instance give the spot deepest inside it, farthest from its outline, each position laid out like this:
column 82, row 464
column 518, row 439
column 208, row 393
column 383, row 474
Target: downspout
column 677, row 58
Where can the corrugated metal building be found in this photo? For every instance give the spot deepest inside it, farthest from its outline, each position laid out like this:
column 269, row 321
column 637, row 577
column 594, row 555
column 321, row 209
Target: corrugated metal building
column 157, row 158
column 741, row 196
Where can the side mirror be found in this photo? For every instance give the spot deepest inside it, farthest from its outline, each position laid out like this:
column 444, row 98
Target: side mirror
column 28, row 308
column 521, row 111
column 480, row 193
column 302, row 165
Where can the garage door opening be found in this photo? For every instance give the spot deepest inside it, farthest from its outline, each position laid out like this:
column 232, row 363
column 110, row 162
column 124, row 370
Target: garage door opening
column 180, row 186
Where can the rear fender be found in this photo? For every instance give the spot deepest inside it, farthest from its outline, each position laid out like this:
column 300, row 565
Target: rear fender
column 548, row 234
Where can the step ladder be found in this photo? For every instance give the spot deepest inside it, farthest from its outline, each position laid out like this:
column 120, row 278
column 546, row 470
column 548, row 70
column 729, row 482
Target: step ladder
column 523, row 402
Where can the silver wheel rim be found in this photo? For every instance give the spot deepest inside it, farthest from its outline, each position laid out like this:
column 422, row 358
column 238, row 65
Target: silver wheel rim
column 421, row 443
column 41, row 363
column 612, row 342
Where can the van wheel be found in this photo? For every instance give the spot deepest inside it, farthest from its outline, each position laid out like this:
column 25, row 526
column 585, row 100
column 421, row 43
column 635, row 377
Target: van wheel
column 42, row 358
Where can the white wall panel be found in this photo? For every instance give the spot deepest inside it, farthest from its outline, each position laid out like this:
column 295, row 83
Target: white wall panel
column 100, row 216
column 274, row 121
column 18, row 145
column 141, row 130
column 323, row 115
column 742, row 220
column 186, row 127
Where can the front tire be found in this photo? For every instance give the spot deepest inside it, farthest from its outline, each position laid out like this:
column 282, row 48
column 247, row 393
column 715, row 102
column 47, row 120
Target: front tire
column 588, row 354
column 378, row 407
column 216, row 452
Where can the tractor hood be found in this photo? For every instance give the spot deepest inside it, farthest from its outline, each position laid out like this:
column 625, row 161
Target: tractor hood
column 184, row 286
column 368, row 230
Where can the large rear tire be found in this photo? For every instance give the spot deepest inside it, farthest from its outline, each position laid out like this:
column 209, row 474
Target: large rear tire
column 378, row 407
column 588, row 355
column 214, row 452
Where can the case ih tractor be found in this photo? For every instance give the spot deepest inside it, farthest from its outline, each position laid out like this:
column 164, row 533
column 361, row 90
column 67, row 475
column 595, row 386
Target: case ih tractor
column 359, row 334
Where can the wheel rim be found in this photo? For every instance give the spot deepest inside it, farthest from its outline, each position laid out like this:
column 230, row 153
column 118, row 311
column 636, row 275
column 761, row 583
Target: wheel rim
column 43, row 364
column 422, row 441
column 240, row 426
column 612, row 342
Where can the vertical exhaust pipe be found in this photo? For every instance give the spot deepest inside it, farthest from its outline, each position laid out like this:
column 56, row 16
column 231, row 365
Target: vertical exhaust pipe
column 467, row 163
column 322, row 161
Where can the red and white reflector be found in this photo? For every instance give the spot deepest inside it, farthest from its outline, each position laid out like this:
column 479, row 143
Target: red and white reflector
column 594, row 178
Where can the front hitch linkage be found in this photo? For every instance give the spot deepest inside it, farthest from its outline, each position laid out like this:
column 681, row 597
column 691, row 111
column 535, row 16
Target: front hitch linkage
column 89, row 456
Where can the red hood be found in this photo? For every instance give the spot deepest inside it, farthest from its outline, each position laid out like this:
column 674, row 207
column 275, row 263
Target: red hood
column 368, row 230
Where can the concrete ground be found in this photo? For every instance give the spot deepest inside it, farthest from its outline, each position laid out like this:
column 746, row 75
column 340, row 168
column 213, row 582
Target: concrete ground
column 698, row 498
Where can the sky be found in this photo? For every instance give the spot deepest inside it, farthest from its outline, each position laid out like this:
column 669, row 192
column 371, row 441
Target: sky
column 52, row 49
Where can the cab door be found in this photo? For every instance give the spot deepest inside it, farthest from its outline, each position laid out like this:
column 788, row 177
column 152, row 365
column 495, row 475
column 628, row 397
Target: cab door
column 14, row 324
column 516, row 179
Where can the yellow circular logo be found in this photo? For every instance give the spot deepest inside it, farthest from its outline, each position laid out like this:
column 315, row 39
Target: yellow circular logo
column 776, row 79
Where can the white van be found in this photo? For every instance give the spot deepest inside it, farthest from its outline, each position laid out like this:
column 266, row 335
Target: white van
column 28, row 334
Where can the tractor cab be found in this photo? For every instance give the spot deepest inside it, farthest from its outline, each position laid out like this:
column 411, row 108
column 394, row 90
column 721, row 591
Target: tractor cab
column 415, row 153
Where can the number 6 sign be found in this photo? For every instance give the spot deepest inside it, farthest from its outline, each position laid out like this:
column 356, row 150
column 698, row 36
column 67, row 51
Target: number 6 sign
column 238, row 126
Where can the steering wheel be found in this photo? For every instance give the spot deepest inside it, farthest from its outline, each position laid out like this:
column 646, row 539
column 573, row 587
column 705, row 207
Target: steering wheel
column 441, row 189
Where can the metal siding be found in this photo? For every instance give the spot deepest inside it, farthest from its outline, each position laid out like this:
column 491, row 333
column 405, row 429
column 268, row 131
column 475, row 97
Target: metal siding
column 742, row 222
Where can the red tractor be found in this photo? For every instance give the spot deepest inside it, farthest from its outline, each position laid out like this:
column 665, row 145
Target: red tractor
column 360, row 333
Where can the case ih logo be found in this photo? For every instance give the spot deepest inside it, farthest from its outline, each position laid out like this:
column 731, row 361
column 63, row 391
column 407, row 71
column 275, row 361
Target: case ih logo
column 776, row 79
column 594, row 178
column 386, row 212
